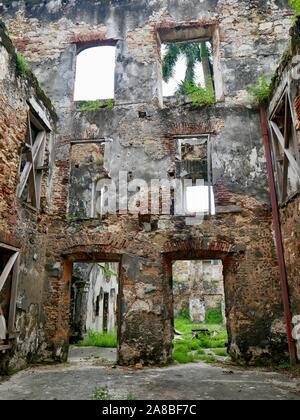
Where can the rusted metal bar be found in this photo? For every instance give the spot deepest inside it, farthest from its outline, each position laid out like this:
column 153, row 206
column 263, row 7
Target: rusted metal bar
column 278, row 237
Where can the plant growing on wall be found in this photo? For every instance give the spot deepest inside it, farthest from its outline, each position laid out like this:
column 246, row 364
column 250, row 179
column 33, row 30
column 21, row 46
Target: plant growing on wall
column 96, row 105
column 22, row 65
column 260, row 92
column 295, row 5
column 200, row 96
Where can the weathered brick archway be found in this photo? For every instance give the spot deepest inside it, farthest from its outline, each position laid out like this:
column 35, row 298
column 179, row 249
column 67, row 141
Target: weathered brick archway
column 58, row 309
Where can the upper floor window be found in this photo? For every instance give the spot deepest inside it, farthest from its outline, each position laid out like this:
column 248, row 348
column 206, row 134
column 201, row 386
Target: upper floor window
column 190, row 62
column 95, row 74
column 194, row 168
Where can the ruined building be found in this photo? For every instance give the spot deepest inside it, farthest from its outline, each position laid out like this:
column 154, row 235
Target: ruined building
column 57, row 157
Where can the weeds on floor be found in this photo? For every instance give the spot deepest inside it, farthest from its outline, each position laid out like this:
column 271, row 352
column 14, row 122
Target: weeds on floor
column 189, row 350
column 95, row 339
column 101, row 394
column 130, row 397
column 221, row 352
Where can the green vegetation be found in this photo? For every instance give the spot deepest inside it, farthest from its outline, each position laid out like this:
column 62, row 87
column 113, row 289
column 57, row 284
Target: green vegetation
column 96, row 339
column 260, row 92
column 90, row 106
column 221, row 352
column 295, row 5
column 107, row 271
column 131, row 397
column 96, row 105
column 284, row 364
column 189, row 350
column 207, row 358
column 101, row 394
column 214, row 316
column 184, row 313
column 22, row 65
column 200, row 96
column 109, row 104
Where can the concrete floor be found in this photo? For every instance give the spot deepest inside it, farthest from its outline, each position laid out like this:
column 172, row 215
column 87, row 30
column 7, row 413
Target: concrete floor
column 78, row 380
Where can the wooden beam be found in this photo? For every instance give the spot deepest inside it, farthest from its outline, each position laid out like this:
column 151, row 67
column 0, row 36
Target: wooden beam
column 289, row 155
column 9, row 247
column 7, row 269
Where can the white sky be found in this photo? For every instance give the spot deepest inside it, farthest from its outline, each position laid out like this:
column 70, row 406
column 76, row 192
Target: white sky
column 95, row 74
column 197, row 199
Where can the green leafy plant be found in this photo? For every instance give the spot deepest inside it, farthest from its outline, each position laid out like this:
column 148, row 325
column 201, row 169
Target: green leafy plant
column 184, row 313
column 101, row 394
column 260, row 92
column 214, row 316
column 131, row 397
column 284, row 364
column 295, row 5
column 107, row 271
column 90, row 106
column 96, row 105
column 109, row 104
column 200, row 96
column 96, row 339
column 22, row 65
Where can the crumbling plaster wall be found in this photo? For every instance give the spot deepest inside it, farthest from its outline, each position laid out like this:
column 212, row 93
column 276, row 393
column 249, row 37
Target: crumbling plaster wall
column 253, row 34
column 20, row 226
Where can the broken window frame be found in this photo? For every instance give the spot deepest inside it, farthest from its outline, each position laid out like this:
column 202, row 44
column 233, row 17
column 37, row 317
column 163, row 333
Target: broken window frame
column 189, row 33
column 12, row 267
column 180, row 140
column 285, row 149
column 32, row 172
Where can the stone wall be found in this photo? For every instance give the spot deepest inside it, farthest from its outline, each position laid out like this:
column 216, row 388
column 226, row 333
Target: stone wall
column 140, row 137
column 21, row 226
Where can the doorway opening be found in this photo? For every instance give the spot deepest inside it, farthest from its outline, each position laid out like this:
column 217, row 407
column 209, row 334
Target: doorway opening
column 94, row 311
column 199, row 311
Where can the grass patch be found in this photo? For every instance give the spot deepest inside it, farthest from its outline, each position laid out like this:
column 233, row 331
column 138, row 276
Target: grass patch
column 207, row 358
column 214, row 316
column 101, row 394
column 221, row 352
column 188, row 350
column 131, row 397
column 95, row 339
